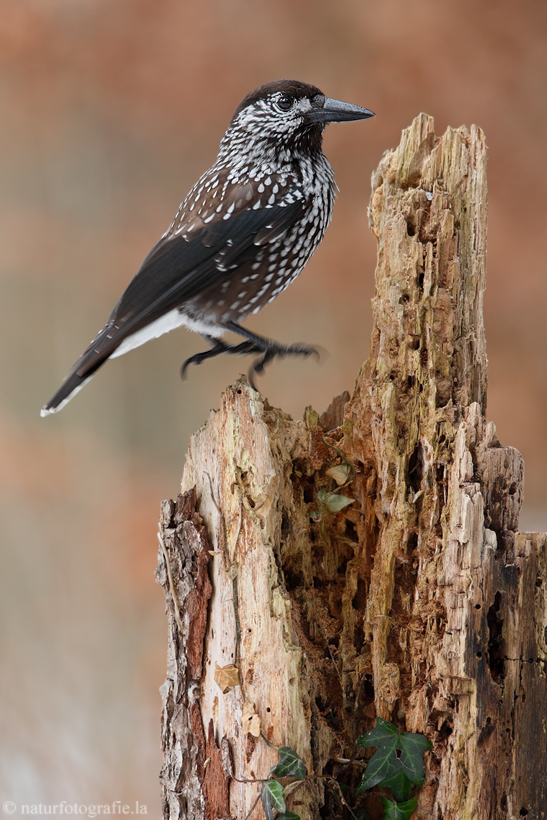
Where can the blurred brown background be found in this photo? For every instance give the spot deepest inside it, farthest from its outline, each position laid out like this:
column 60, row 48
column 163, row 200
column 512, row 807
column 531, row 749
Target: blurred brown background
column 109, row 111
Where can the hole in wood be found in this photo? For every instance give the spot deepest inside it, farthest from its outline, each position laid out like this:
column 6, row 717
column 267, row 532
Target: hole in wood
column 358, row 637
column 351, row 532
column 415, row 468
column 495, row 657
column 412, row 543
column 368, row 687
column 445, row 731
column 360, row 598
column 308, row 493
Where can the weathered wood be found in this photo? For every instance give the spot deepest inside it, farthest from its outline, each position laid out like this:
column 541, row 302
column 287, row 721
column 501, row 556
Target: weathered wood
column 242, row 486
column 182, row 571
column 447, row 494
column 420, row 602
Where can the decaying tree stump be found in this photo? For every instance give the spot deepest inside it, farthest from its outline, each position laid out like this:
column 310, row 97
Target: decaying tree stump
column 420, row 602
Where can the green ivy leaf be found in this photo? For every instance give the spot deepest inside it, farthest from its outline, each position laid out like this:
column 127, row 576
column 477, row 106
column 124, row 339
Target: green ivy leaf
column 383, row 732
column 272, row 798
column 399, row 784
column 385, row 768
column 340, row 472
column 290, row 765
column 399, row 811
column 382, row 765
column 288, row 815
column 413, row 746
column 336, row 502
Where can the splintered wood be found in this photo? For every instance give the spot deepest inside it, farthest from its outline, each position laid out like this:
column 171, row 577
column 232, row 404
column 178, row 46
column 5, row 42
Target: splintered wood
column 419, row 602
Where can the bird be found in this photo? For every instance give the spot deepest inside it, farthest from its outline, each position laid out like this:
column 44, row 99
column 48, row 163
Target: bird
column 240, row 237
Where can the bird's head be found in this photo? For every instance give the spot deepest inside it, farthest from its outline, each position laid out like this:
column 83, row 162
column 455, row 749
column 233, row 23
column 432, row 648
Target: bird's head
column 290, row 114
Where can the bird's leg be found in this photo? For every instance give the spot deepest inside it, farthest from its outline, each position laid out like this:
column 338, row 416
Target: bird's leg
column 218, row 347
column 269, row 349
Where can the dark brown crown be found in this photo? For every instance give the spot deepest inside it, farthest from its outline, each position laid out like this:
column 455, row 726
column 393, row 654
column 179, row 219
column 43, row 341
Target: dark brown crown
column 292, row 88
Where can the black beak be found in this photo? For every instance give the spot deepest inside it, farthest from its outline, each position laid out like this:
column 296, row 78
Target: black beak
column 337, row 111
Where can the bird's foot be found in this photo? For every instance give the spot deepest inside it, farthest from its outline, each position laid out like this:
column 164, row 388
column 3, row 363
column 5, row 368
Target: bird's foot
column 219, row 347
column 274, row 350
column 267, row 348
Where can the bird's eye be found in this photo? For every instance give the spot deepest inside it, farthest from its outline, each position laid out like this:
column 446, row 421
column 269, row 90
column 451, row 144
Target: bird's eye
column 285, row 103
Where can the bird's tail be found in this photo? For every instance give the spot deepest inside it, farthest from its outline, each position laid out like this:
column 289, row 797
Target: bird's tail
column 100, row 349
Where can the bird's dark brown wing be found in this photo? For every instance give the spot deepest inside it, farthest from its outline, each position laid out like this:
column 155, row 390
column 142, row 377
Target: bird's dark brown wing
column 179, row 268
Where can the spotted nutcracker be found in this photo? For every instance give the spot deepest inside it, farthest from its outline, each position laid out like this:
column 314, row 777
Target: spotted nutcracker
column 242, row 235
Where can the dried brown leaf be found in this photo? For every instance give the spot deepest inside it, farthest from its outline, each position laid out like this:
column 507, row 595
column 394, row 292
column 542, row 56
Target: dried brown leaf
column 226, row 677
